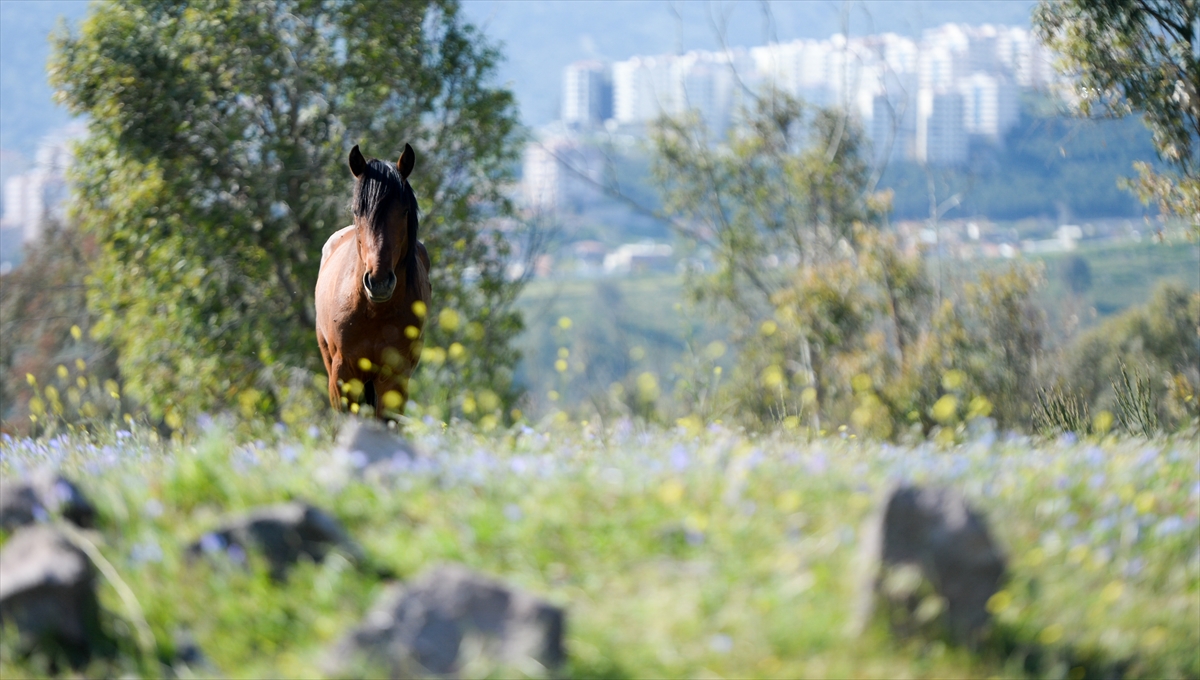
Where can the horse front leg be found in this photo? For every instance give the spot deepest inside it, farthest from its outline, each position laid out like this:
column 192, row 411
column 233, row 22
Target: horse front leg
column 335, row 395
column 391, row 395
column 341, row 391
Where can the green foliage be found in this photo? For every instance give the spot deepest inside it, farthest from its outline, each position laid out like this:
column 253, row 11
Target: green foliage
column 784, row 191
column 215, row 170
column 834, row 324
column 1059, row 412
column 1158, row 344
column 1011, row 328
column 676, row 552
column 1135, row 402
column 1077, row 274
column 1138, row 55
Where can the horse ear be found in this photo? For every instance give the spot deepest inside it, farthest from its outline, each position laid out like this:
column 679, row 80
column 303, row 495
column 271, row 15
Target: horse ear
column 407, row 160
column 358, row 164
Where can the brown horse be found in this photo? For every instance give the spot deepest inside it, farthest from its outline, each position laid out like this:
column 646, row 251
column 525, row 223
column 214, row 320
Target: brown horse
column 369, row 319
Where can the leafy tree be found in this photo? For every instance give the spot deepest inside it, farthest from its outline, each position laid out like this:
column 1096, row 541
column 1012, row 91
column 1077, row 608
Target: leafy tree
column 785, row 190
column 215, row 170
column 836, row 322
column 1159, row 340
column 1077, row 274
column 1138, row 55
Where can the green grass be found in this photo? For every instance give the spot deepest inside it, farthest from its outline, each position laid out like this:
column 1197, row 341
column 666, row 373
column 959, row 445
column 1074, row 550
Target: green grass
column 676, row 554
column 1124, row 274
column 619, row 327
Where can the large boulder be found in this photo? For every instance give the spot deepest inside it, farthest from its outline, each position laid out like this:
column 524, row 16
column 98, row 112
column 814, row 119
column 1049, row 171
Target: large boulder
column 449, row 619
column 931, row 563
column 41, row 495
column 47, row 591
column 282, row 533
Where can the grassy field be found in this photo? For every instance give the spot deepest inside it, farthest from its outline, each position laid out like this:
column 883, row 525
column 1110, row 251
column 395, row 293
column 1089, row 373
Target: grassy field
column 676, row 553
column 615, row 327
column 1125, row 274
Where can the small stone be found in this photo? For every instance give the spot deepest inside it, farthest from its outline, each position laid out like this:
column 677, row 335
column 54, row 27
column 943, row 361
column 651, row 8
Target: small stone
column 282, row 533
column 369, row 443
column 930, row 559
column 47, row 591
column 449, row 617
column 43, row 494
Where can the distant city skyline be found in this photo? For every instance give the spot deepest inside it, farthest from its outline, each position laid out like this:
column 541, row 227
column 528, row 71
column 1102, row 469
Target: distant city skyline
column 924, row 99
column 531, row 34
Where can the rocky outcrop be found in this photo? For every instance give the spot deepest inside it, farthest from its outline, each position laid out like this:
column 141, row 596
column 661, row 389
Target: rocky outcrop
column 369, row 444
column 283, row 534
column 42, row 495
column 447, row 620
column 930, row 562
column 47, row 591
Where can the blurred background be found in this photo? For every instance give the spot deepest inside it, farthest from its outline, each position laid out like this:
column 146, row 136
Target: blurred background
column 621, row 293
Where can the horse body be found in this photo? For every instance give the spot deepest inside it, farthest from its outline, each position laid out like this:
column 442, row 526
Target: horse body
column 373, row 273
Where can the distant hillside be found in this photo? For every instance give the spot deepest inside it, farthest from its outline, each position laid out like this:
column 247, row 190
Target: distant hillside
column 1049, row 166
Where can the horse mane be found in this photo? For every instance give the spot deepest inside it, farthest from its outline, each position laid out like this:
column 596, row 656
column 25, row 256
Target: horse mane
column 375, row 193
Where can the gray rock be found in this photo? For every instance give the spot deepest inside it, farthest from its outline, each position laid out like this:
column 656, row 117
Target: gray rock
column 367, row 443
column 930, row 561
column 282, row 533
column 47, row 590
column 43, row 494
column 449, row 619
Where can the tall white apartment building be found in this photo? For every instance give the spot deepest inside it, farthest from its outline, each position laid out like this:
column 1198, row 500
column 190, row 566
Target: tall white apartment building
column 641, row 88
column 1025, row 58
column 906, row 93
column 560, row 174
column 990, row 105
column 540, row 176
column 706, row 82
column 709, row 83
column 33, row 199
column 800, row 67
column 587, row 94
column 941, row 139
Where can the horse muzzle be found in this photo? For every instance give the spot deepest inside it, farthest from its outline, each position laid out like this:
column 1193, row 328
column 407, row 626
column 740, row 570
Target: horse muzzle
column 379, row 291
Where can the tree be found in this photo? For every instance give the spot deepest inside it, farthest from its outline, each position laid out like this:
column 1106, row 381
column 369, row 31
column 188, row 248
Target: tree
column 784, row 193
column 785, row 188
column 1077, row 274
column 1159, row 341
column 1138, row 55
column 215, row 169
column 837, row 322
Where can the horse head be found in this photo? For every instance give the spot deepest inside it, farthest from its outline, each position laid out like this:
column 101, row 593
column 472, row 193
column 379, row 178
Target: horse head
column 385, row 221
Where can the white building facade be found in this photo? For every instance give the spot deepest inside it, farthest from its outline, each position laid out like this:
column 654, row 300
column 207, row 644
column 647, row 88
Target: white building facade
column 36, row 198
column 587, row 94
column 926, row 99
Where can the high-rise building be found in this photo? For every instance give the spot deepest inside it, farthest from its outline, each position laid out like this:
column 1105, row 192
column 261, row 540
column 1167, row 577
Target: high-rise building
column 905, row 93
column 941, row 139
column 37, row 197
column 641, row 89
column 560, row 174
column 990, row 105
column 587, row 94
